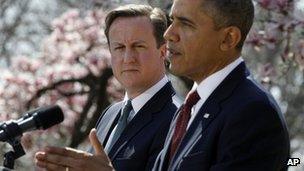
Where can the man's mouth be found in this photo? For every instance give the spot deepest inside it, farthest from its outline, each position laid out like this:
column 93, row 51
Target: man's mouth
column 172, row 52
column 129, row 70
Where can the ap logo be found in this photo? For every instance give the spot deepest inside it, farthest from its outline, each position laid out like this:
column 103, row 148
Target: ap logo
column 293, row 161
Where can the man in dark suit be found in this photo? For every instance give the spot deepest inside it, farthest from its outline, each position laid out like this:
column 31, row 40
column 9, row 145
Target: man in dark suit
column 132, row 131
column 227, row 122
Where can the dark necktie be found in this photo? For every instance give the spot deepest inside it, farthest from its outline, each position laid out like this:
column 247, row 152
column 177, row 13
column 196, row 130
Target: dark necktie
column 121, row 124
column 182, row 121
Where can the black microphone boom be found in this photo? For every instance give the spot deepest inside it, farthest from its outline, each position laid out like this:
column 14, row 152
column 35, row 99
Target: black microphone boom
column 41, row 118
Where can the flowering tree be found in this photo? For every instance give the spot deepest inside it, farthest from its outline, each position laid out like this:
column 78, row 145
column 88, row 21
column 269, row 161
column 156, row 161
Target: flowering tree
column 73, row 71
column 275, row 50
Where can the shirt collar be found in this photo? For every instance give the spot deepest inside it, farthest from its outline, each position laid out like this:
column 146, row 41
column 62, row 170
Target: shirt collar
column 139, row 101
column 208, row 85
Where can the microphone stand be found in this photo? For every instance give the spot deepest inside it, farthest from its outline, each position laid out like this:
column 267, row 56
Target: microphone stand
column 12, row 131
column 18, row 151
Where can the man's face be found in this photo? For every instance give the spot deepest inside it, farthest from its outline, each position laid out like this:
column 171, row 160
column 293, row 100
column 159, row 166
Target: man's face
column 192, row 41
column 137, row 63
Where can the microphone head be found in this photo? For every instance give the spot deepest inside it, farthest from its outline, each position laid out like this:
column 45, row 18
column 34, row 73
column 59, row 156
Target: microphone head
column 46, row 117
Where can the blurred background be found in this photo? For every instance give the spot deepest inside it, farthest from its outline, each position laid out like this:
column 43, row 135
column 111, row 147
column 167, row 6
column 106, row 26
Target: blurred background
column 55, row 52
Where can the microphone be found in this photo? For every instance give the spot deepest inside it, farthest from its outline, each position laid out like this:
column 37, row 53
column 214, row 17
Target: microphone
column 40, row 118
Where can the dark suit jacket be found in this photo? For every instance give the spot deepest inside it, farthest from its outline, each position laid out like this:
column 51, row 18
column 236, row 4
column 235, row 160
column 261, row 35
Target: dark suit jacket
column 244, row 131
column 143, row 138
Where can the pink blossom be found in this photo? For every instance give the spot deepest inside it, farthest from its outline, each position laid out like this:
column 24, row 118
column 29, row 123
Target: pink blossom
column 282, row 3
column 58, row 24
column 74, row 49
column 273, row 4
column 300, row 54
column 265, row 3
column 71, row 14
column 92, row 33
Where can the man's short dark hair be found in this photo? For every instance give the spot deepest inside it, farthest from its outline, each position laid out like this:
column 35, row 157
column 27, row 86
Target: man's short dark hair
column 225, row 13
column 157, row 17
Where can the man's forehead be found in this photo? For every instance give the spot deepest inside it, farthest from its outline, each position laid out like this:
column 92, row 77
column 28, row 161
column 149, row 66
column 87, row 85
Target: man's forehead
column 182, row 5
column 185, row 1
column 131, row 30
column 133, row 41
column 127, row 19
column 184, row 8
column 182, row 2
column 130, row 23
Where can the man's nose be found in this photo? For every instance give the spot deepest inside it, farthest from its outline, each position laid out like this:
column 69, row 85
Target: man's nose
column 129, row 56
column 171, row 34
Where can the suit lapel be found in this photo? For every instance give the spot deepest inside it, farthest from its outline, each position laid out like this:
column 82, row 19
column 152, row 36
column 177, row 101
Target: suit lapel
column 194, row 132
column 143, row 117
column 208, row 112
column 108, row 119
column 165, row 151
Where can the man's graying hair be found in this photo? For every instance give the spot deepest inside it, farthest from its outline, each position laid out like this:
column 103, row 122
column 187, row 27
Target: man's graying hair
column 157, row 17
column 225, row 13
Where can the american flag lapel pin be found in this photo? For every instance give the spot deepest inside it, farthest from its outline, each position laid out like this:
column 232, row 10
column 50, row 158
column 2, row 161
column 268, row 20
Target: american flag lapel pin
column 206, row 115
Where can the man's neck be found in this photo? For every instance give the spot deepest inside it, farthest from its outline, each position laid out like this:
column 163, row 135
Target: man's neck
column 213, row 69
column 133, row 93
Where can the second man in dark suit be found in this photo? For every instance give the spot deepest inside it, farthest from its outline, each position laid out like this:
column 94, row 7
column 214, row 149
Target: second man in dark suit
column 132, row 131
column 137, row 46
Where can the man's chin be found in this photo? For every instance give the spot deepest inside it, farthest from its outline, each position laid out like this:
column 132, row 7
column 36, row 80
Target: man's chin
column 175, row 71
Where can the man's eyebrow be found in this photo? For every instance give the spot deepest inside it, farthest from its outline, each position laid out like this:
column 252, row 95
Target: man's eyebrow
column 135, row 42
column 116, row 43
column 139, row 41
column 182, row 19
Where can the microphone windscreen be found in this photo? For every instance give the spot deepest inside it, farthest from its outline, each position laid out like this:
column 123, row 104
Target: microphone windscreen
column 48, row 116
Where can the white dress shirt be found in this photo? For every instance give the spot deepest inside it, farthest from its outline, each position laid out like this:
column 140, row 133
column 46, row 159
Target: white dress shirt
column 208, row 85
column 139, row 101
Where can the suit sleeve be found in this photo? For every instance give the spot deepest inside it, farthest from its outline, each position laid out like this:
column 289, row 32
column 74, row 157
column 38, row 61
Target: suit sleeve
column 90, row 149
column 101, row 116
column 254, row 138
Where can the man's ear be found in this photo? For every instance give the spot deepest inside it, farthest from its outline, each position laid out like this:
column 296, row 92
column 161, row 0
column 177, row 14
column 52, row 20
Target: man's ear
column 231, row 38
column 163, row 51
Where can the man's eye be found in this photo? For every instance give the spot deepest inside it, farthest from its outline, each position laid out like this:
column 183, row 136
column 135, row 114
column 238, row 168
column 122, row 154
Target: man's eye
column 186, row 24
column 118, row 48
column 140, row 46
